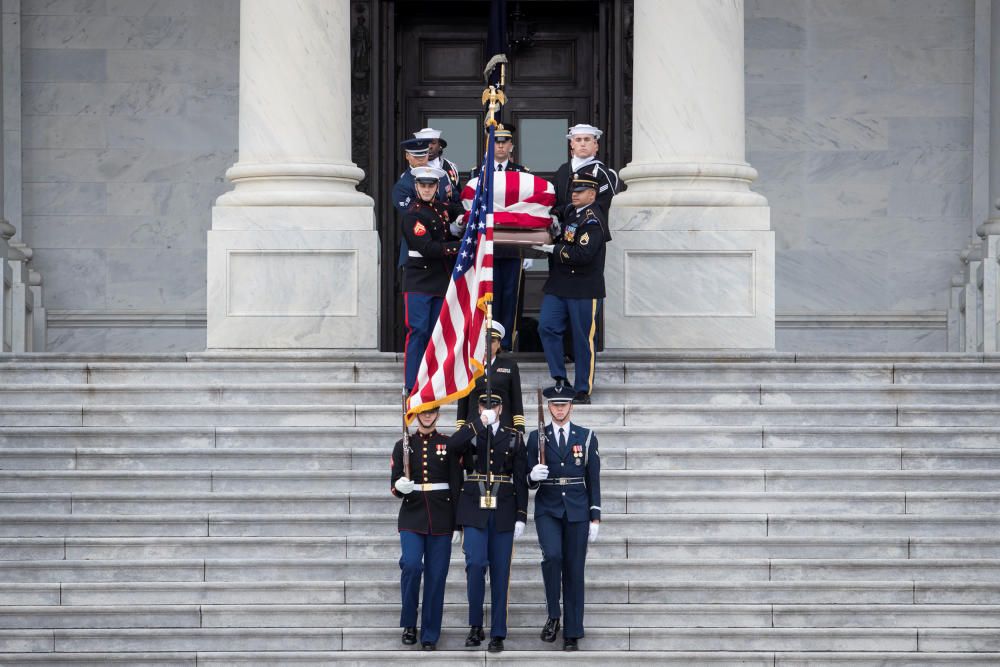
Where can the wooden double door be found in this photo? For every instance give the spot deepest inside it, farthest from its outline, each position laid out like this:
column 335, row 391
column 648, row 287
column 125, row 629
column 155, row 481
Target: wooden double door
column 555, row 79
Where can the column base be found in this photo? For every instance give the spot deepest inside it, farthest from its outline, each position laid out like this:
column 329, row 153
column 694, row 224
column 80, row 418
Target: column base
column 689, row 289
column 293, row 286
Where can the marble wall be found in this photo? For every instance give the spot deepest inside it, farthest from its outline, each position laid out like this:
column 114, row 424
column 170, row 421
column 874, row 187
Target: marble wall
column 860, row 122
column 129, row 123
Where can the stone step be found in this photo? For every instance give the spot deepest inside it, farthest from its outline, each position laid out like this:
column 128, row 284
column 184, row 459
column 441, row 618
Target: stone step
column 630, row 525
column 510, row 658
column 613, row 503
column 598, row 415
column 385, row 393
column 520, row 614
column 613, row 457
column 624, row 437
column 365, row 481
column 246, row 569
column 376, row 591
column 608, row 547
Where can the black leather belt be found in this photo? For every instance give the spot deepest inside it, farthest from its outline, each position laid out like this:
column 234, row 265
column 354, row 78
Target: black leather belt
column 480, row 477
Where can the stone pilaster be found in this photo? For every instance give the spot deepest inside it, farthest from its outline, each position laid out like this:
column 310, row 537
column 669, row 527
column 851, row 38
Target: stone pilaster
column 692, row 261
column 990, row 229
column 293, row 251
column 6, row 288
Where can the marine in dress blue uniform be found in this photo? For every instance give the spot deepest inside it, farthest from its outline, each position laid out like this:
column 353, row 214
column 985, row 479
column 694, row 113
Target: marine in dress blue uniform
column 404, row 192
column 508, row 264
column 426, row 524
column 489, row 534
column 567, row 512
column 574, row 291
column 430, row 259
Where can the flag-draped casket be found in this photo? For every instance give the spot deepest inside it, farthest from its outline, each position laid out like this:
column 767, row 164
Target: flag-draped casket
column 521, row 204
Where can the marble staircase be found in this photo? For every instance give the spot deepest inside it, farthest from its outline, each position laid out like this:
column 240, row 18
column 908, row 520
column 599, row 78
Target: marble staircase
column 760, row 509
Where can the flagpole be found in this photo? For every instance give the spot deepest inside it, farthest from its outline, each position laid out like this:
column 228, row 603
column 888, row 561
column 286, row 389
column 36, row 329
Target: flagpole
column 490, row 502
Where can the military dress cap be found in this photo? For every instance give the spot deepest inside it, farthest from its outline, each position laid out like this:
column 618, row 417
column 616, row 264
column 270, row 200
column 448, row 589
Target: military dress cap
column 490, row 400
column 583, row 182
column 559, row 394
column 431, row 133
column 504, row 132
column 583, row 128
column 416, row 147
column 497, row 331
column 427, row 174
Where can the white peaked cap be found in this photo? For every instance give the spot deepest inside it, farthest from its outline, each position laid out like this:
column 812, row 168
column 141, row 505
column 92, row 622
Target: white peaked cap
column 427, row 173
column 583, row 128
column 499, row 329
column 428, row 133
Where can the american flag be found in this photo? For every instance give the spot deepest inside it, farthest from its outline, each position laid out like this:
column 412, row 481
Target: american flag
column 451, row 363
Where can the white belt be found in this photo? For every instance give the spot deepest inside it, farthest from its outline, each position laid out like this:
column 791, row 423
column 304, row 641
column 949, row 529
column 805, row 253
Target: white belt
column 414, row 253
column 436, row 486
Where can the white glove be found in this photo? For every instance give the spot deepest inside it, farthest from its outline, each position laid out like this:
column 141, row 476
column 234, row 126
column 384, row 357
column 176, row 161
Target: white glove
column 456, row 537
column 456, row 229
column 518, row 529
column 404, row 485
column 548, row 247
column 539, row 472
column 555, row 228
column 489, row 417
column 595, row 527
column 527, row 264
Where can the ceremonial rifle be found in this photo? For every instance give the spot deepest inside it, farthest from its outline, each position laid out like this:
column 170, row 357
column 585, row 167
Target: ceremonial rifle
column 541, row 428
column 406, row 442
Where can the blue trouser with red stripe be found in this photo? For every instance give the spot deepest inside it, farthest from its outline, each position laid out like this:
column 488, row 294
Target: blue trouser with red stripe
column 422, row 312
column 430, row 555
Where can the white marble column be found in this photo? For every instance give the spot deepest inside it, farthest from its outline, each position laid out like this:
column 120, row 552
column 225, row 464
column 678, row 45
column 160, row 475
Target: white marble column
column 692, row 261
column 293, row 251
column 990, row 229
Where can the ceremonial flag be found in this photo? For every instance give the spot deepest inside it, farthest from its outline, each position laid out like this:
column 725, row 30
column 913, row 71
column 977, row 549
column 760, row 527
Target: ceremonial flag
column 496, row 42
column 451, row 363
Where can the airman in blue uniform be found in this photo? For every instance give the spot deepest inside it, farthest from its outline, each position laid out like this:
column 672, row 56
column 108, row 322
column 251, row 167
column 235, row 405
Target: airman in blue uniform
column 567, row 512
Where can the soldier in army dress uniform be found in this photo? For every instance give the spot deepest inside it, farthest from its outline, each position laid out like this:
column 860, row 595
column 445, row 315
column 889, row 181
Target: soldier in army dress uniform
column 426, row 525
column 505, row 380
column 430, row 259
column 574, row 291
column 567, row 512
column 492, row 511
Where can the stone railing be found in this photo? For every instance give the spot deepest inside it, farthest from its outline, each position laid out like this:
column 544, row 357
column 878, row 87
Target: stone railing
column 22, row 315
column 974, row 305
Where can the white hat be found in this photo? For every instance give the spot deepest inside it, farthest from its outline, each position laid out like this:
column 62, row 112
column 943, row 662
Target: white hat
column 428, row 133
column 497, row 331
column 583, row 128
column 427, row 174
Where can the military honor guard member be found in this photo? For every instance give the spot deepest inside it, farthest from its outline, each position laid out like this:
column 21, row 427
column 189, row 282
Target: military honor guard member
column 431, row 252
column 584, row 142
column 505, row 380
column 574, row 291
column 404, row 192
column 508, row 268
column 426, row 526
column 567, row 512
column 436, row 158
column 492, row 511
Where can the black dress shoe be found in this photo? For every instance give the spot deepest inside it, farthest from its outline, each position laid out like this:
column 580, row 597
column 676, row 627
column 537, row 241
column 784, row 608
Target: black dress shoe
column 569, row 644
column 409, row 636
column 496, row 645
column 429, row 646
column 551, row 630
column 476, row 636
column 581, row 398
